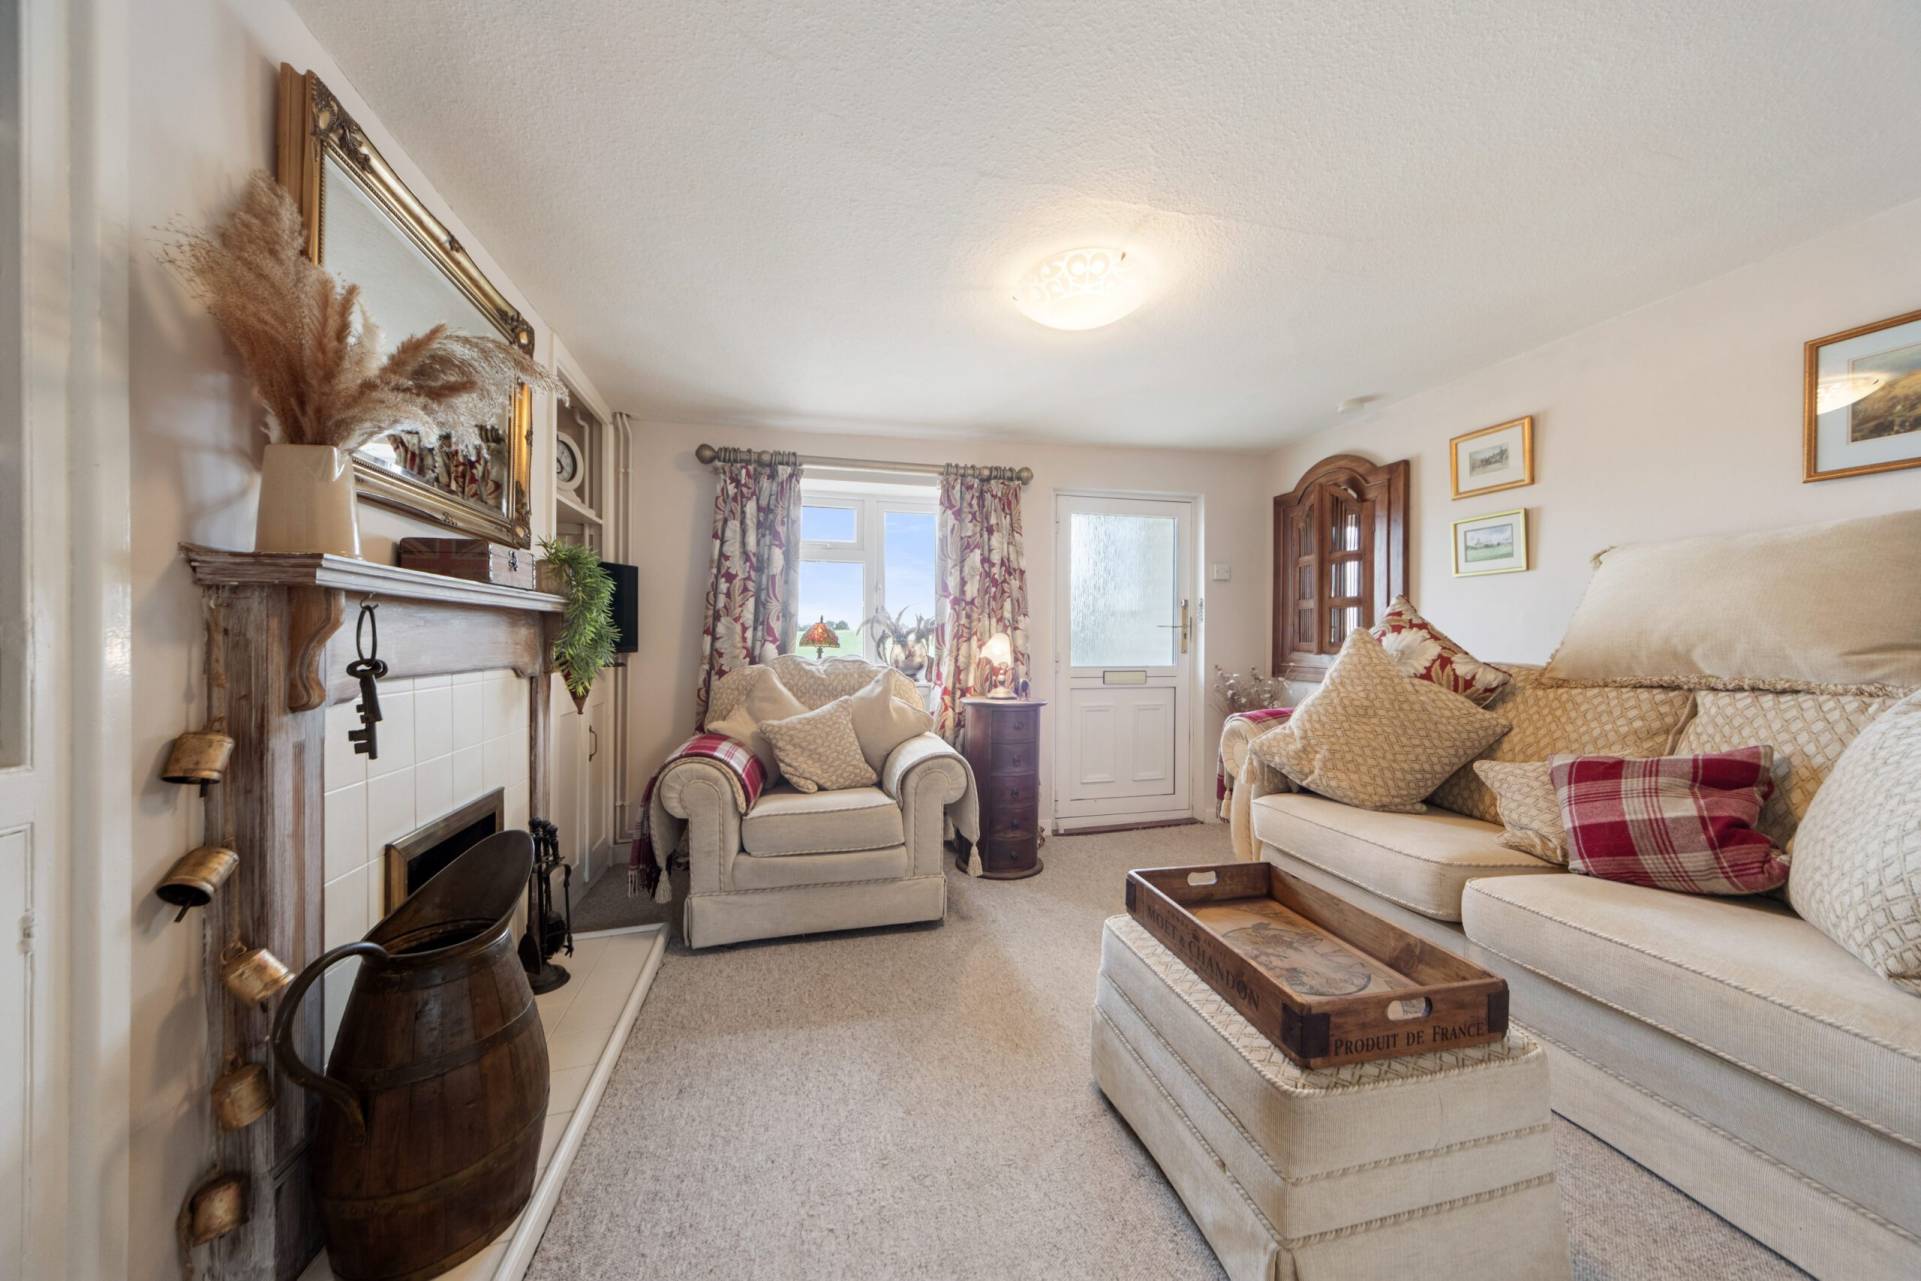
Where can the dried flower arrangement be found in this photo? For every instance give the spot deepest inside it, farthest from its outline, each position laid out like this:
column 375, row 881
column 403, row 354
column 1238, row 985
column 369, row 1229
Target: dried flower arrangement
column 1251, row 692
column 902, row 645
column 313, row 352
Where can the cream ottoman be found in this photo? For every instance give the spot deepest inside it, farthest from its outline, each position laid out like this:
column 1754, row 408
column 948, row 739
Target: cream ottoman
column 1433, row 1165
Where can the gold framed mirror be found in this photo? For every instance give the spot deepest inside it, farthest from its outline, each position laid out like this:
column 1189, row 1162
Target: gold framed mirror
column 367, row 227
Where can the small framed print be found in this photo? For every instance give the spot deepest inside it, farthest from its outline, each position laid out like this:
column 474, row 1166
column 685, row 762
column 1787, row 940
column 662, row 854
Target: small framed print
column 1497, row 457
column 1861, row 400
column 1494, row 544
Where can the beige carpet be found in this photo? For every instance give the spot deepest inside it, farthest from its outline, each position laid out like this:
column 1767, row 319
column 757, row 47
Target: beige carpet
column 917, row 1103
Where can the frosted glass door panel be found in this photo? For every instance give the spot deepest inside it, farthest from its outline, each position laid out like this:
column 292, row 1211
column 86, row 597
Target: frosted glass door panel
column 1124, row 590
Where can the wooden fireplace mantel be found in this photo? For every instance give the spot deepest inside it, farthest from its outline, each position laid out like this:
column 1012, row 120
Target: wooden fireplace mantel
column 449, row 625
column 285, row 636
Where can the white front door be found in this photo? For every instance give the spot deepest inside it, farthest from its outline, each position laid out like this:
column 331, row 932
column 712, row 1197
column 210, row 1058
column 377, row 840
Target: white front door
column 1125, row 638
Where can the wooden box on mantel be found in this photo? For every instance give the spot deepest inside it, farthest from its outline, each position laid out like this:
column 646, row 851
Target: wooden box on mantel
column 1325, row 981
column 475, row 559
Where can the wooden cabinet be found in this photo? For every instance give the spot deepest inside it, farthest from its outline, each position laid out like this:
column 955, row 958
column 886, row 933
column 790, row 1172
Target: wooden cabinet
column 1002, row 741
column 1340, row 557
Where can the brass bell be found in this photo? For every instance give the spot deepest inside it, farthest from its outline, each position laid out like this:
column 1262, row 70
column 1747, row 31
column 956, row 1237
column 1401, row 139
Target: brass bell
column 253, row 973
column 242, row 1095
column 194, row 876
column 211, row 1211
column 200, row 756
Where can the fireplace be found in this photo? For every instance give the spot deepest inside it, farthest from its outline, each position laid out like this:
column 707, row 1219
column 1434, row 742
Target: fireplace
column 414, row 858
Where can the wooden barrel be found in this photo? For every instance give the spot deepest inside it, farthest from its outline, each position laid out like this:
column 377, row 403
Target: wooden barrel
column 438, row 1077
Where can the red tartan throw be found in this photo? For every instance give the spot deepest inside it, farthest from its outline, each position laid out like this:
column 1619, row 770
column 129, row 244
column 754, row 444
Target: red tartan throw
column 1259, row 716
column 1682, row 823
column 644, row 868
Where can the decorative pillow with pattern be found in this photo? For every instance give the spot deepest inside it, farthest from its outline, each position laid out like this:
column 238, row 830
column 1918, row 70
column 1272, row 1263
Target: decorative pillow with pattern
column 766, row 699
column 1530, row 809
column 1425, row 652
column 1857, row 855
column 1573, row 721
column 1684, row 823
column 1370, row 737
column 819, row 751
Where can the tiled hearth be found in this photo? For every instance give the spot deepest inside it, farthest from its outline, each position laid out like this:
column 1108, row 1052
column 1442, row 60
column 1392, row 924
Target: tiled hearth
column 444, row 740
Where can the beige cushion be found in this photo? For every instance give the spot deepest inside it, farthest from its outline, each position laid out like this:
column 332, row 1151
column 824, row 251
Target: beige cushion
column 1857, row 870
column 1373, row 737
column 818, row 683
column 786, row 820
column 1808, row 732
column 756, row 696
column 1530, row 809
column 883, row 720
column 1585, row 722
column 1742, row 605
column 1420, row 861
column 819, row 750
column 783, row 872
column 1742, row 978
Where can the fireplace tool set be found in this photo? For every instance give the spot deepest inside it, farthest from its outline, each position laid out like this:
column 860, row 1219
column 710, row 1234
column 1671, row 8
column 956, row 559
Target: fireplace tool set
column 548, row 931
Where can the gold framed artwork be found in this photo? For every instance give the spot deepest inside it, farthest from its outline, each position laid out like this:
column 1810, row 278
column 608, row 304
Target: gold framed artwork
column 1492, row 544
column 1491, row 459
column 1861, row 400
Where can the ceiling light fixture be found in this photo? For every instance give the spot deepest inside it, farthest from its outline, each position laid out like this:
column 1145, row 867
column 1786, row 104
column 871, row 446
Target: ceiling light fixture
column 1838, row 391
column 1080, row 288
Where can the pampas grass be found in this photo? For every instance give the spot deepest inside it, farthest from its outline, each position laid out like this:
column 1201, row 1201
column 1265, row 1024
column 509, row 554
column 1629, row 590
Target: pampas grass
column 313, row 352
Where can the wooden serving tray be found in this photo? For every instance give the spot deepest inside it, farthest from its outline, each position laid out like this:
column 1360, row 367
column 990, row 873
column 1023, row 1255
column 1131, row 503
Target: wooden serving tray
column 1325, row 981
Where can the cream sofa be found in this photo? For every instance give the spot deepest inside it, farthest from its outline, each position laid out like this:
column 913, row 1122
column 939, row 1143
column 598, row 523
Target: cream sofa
column 807, row 862
column 1724, row 1043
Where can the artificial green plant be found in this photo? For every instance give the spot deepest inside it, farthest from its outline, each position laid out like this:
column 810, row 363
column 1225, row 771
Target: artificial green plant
column 586, row 640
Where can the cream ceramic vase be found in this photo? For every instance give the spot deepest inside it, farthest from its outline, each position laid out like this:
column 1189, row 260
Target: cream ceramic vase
column 307, row 501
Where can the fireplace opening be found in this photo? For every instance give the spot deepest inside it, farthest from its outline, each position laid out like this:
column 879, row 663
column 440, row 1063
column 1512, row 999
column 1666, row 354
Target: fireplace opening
column 414, row 859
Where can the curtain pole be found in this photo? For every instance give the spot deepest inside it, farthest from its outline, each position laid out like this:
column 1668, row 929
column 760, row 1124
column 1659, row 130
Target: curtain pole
column 706, row 454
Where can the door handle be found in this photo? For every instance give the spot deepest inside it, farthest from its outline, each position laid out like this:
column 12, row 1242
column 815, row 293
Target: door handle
column 1185, row 626
column 593, row 743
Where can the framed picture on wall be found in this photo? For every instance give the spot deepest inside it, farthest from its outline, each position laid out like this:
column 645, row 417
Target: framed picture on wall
column 1861, row 400
column 1495, row 544
column 1497, row 457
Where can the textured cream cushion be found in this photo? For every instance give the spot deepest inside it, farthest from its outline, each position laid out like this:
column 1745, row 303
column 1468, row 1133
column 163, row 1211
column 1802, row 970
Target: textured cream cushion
column 1583, row 722
column 1742, row 978
column 1530, row 809
column 883, row 720
column 789, row 821
column 1371, row 736
column 1857, row 870
column 818, row 750
column 1808, row 732
column 762, row 697
column 1420, row 861
column 1838, row 603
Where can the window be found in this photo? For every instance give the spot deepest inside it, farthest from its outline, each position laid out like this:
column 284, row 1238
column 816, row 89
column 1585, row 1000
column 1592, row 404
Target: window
column 866, row 548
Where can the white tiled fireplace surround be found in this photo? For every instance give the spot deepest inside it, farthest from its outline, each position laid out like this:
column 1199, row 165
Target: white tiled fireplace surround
column 444, row 740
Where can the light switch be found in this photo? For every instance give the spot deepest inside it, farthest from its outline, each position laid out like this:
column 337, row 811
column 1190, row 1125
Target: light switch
column 1220, row 571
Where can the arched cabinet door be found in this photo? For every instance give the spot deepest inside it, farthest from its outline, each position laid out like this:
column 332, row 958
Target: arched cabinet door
column 1340, row 555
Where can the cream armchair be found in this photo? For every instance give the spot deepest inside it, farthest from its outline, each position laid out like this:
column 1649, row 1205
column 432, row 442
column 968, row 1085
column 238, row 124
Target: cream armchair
column 806, row 862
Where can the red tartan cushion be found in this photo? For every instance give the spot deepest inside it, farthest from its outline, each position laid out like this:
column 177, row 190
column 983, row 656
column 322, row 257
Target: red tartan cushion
column 1425, row 652
column 1681, row 823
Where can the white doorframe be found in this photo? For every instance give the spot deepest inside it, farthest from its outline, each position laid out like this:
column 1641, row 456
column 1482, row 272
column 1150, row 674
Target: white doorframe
column 66, row 779
column 1191, row 746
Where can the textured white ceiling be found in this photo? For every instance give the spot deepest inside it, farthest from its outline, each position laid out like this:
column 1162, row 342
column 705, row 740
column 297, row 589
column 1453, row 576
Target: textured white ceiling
column 812, row 212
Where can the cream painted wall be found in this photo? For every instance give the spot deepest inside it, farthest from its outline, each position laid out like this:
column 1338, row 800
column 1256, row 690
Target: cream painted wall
column 203, row 88
column 672, row 499
column 1681, row 418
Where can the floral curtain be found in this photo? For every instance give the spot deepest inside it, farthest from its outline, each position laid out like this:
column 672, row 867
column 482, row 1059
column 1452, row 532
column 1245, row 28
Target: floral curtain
column 980, row 583
column 754, row 582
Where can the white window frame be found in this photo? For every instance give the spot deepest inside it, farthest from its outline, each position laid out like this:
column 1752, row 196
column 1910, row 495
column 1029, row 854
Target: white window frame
column 871, row 502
